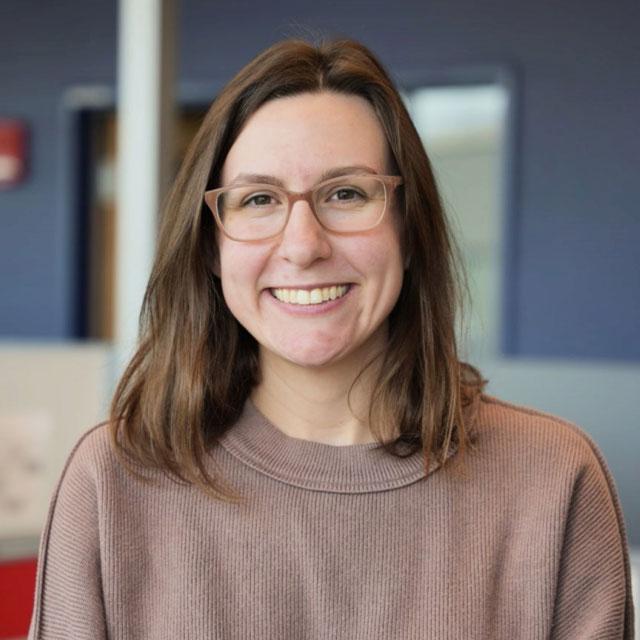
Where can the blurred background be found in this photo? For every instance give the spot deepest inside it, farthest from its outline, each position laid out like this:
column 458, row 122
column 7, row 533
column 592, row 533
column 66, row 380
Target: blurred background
column 529, row 112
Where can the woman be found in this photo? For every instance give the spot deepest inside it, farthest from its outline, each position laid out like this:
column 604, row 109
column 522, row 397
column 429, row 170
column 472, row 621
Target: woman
column 295, row 450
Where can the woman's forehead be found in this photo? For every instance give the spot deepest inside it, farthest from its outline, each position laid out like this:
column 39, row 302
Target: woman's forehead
column 302, row 137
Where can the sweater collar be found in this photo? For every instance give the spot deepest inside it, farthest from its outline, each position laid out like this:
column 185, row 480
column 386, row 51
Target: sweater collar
column 357, row 468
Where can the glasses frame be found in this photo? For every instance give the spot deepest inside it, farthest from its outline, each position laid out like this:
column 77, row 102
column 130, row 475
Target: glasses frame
column 390, row 183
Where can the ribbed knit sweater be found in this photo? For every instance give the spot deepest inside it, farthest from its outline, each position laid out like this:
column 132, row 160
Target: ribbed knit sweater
column 342, row 542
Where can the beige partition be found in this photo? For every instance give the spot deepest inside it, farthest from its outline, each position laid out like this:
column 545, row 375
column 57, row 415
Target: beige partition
column 49, row 395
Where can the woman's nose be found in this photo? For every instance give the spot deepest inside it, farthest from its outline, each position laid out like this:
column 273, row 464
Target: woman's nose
column 303, row 240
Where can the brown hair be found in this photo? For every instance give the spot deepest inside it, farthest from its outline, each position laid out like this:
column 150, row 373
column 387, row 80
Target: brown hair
column 195, row 365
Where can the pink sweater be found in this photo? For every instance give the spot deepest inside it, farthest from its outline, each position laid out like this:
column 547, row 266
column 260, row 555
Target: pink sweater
column 342, row 542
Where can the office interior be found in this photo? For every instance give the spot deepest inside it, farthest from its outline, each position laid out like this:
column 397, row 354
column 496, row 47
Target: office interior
column 529, row 114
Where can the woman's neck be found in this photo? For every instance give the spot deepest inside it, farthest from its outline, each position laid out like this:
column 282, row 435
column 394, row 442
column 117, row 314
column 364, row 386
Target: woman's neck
column 314, row 403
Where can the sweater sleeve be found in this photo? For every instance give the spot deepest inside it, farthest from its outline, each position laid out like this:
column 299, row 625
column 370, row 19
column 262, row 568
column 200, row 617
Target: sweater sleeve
column 593, row 598
column 68, row 599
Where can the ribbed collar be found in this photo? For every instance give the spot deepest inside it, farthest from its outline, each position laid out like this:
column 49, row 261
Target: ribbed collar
column 357, row 468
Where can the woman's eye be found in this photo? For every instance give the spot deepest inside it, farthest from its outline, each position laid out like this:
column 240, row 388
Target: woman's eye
column 260, row 200
column 346, row 194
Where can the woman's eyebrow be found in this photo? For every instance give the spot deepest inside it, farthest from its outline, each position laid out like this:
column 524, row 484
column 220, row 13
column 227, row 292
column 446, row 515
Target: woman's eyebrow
column 243, row 178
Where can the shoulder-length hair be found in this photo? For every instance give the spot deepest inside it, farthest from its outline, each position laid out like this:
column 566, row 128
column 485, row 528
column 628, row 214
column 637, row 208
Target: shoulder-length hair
column 195, row 365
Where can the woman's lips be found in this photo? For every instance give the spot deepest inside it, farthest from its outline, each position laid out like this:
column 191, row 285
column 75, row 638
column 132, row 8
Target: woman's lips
column 311, row 295
column 311, row 308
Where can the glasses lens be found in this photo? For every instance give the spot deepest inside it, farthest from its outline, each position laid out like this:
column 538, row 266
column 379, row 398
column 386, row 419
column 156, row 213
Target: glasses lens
column 351, row 203
column 251, row 212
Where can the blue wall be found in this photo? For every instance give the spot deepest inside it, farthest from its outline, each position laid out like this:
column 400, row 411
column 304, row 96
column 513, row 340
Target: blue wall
column 45, row 48
column 574, row 280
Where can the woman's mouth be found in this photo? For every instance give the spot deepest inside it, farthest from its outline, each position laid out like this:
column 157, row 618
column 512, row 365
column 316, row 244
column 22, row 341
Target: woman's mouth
column 310, row 296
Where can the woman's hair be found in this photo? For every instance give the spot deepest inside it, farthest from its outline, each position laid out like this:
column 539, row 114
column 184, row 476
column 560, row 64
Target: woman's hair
column 195, row 365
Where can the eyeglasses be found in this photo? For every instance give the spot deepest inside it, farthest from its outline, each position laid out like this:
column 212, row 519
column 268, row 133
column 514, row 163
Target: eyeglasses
column 346, row 204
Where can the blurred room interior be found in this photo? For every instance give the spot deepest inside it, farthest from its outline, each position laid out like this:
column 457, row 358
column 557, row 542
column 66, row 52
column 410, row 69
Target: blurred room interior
column 529, row 114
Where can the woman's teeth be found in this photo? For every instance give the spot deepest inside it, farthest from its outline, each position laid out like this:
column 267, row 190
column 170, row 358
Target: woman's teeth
column 315, row 296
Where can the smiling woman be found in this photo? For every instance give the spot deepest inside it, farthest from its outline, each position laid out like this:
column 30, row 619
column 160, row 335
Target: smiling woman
column 360, row 255
column 295, row 449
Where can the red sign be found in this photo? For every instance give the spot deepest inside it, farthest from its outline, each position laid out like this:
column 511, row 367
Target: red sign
column 17, row 588
column 13, row 152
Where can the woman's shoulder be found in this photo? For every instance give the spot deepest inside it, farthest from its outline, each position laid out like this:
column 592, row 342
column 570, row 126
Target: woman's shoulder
column 94, row 482
column 552, row 474
column 92, row 451
column 93, row 461
column 539, row 460
column 535, row 437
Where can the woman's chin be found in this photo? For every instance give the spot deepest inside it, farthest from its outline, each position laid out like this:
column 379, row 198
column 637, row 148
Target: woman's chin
column 320, row 349
column 312, row 356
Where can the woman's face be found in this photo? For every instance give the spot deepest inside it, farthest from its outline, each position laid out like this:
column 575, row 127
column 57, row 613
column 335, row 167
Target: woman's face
column 296, row 139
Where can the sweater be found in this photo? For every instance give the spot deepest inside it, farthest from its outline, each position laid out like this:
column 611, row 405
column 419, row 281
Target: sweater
column 342, row 541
